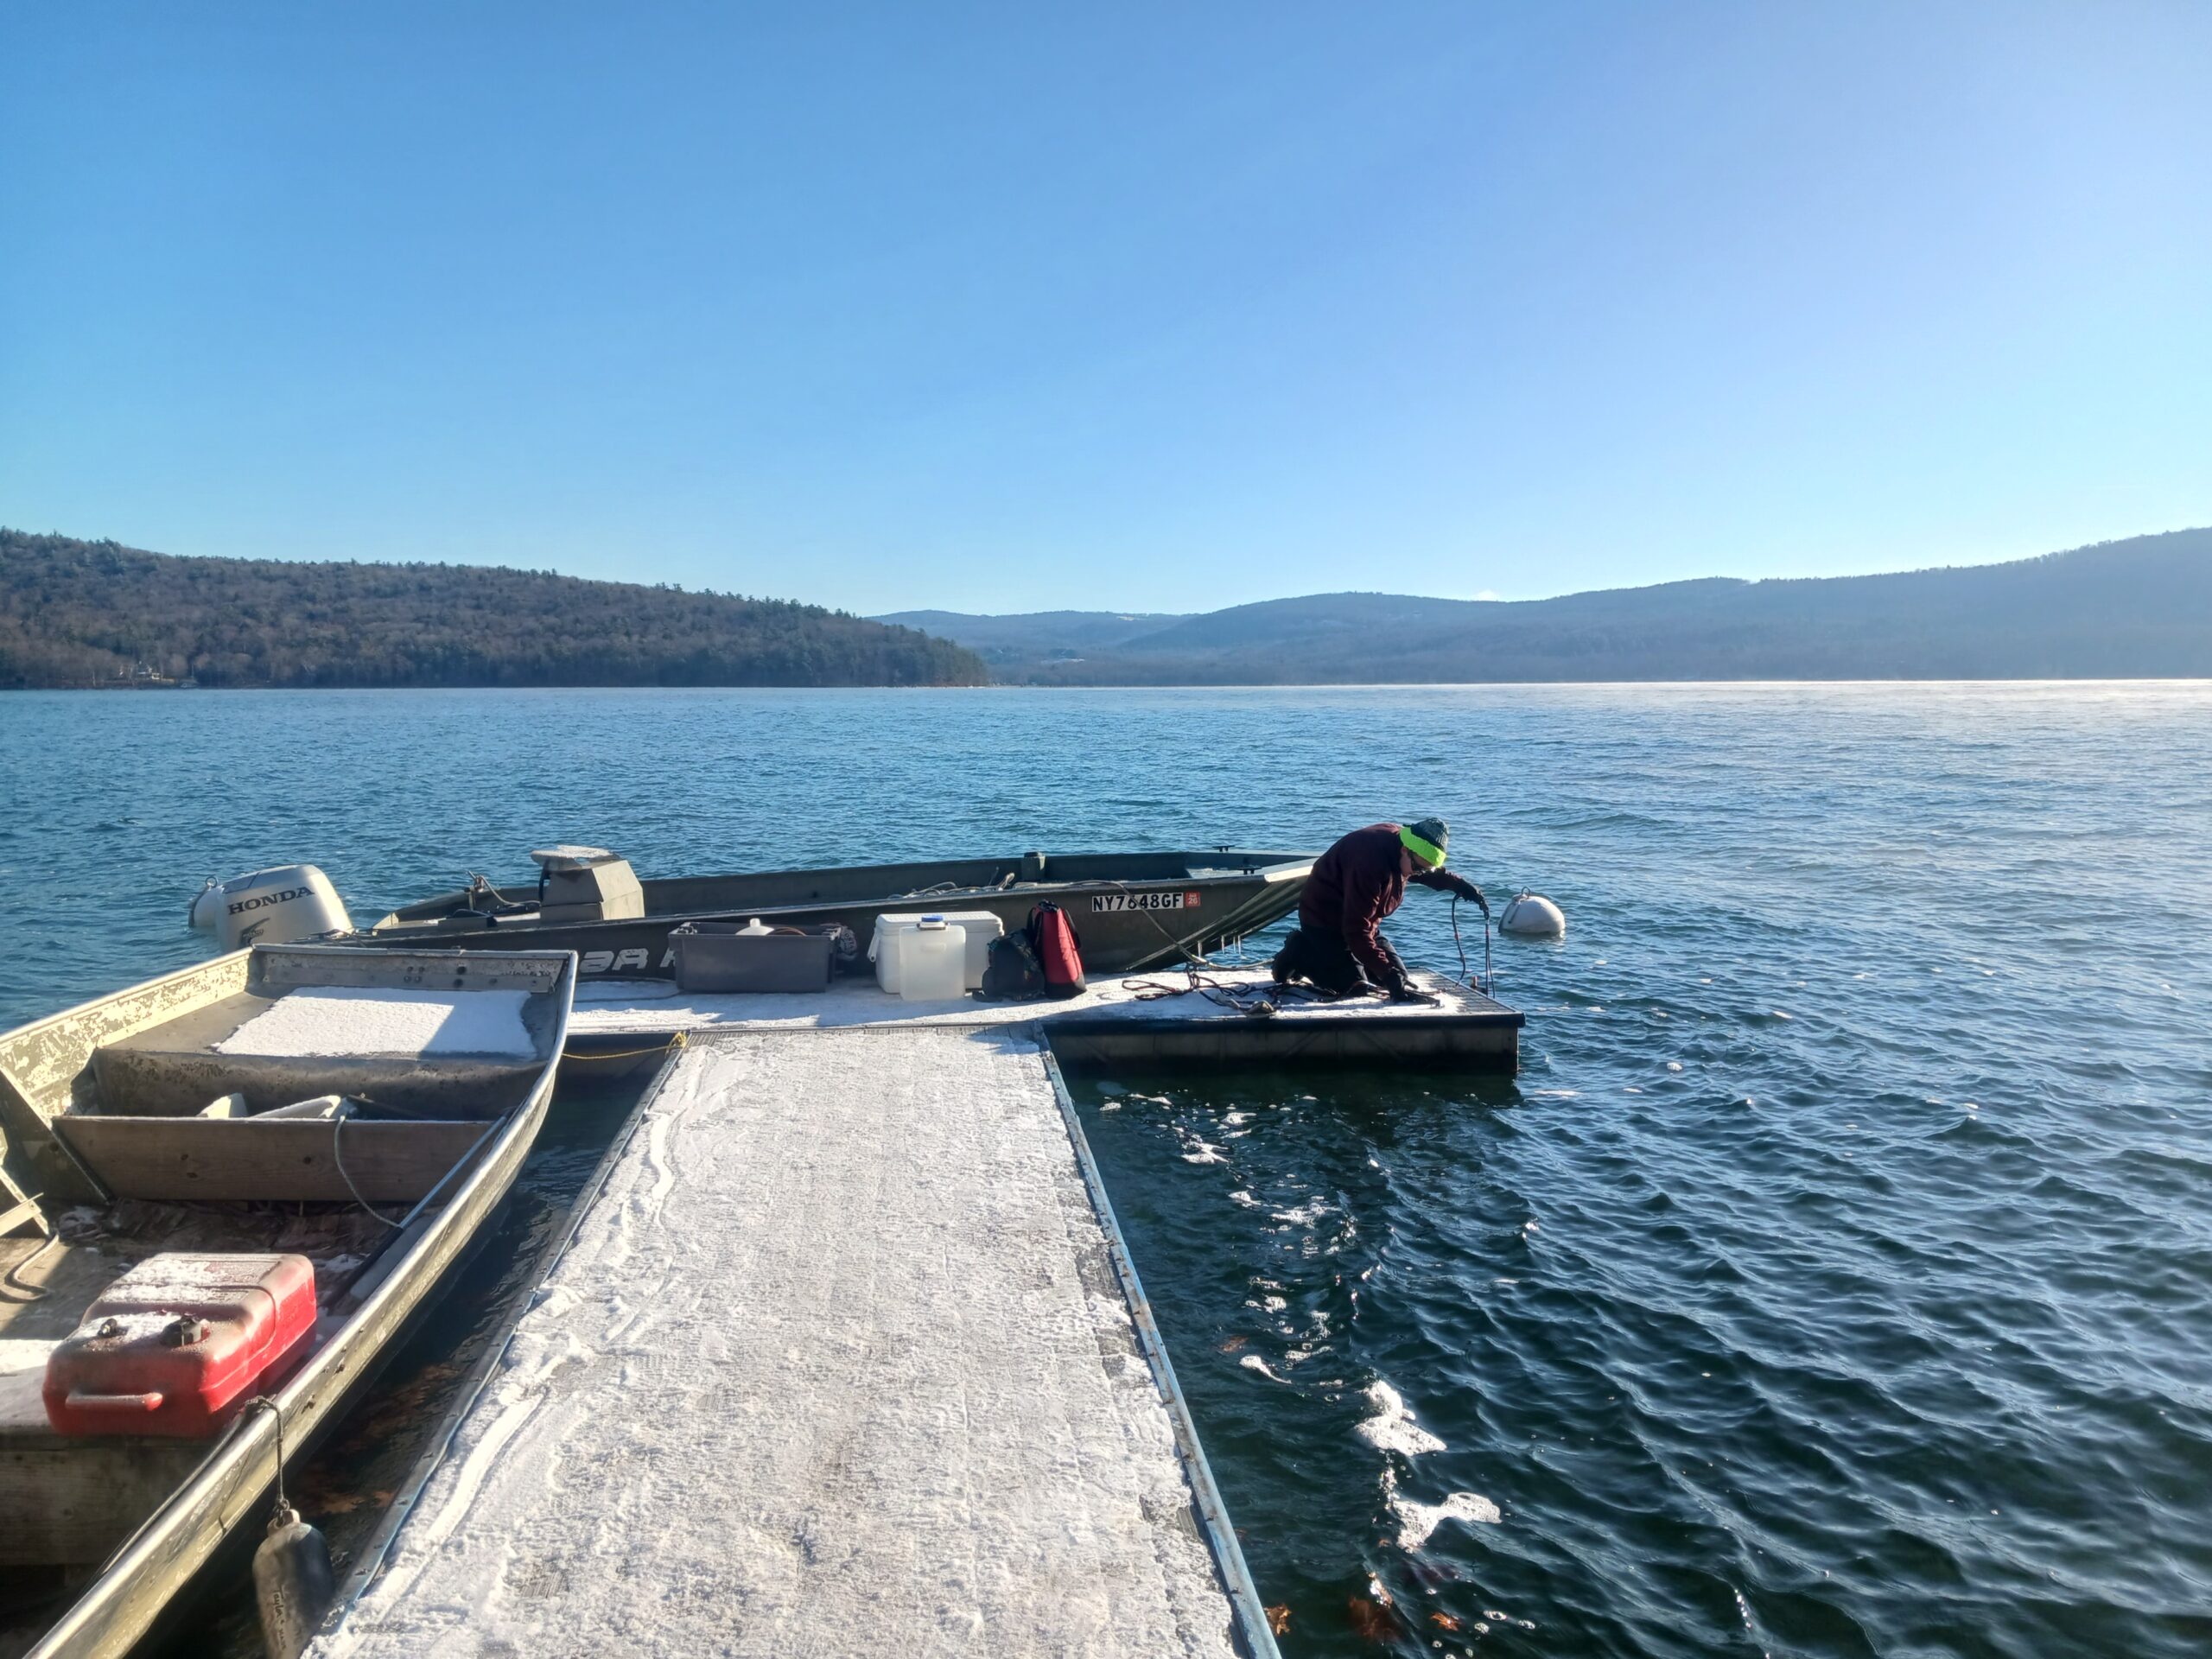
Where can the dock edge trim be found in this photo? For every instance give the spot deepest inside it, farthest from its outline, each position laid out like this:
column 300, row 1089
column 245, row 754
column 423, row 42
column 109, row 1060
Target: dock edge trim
column 1250, row 1615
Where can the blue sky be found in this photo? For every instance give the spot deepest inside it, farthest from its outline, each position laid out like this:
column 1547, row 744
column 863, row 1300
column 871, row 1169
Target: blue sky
column 1007, row 308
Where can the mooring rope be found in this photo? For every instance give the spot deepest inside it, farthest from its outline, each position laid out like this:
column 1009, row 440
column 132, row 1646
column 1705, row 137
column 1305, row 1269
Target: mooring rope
column 677, row 1039
column 264, row 1403
column 1191, row 959
column 1255, row 1002
column 1466, row 975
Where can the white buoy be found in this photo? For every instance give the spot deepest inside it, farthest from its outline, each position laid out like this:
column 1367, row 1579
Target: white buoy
column 1532, row 916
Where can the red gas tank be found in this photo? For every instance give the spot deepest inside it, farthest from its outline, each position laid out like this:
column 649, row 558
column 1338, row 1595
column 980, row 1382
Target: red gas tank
column 174, row 1345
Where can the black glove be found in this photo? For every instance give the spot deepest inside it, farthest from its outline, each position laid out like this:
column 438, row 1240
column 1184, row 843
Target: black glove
column 1404, row 992
column 1470, row 893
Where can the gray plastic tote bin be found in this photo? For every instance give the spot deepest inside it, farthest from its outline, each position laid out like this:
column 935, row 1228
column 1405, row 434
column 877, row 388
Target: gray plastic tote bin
column 723, row 957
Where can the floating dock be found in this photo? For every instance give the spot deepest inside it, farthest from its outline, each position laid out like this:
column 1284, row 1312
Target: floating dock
column 845, row 1353
column 1232, row 1017
column 843, row 1356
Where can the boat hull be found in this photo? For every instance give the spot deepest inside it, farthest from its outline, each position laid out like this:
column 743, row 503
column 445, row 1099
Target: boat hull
column 1131, row 912
column 228, row 1494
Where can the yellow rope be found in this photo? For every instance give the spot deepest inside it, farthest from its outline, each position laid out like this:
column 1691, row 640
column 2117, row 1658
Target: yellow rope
column 677, row 1041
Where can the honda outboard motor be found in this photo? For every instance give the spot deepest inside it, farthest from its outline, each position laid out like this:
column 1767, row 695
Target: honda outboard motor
column 278, row 906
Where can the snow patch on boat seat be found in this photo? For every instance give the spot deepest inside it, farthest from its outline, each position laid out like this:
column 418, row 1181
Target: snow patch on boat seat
column 341, row 1020
column 22, row 1378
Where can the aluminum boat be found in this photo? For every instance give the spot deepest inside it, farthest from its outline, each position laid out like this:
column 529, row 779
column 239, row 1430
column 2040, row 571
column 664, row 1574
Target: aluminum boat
column 1132, row 911
column 366, row 1113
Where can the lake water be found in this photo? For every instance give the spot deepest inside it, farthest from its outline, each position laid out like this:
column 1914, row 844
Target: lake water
column 1836, row 1277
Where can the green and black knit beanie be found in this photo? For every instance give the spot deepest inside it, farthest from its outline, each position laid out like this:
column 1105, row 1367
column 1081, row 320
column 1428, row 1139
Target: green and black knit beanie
column 1427, row 840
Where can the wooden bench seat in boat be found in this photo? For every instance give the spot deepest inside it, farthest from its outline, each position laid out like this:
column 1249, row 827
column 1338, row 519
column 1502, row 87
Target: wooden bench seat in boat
column 198, row 1158
column 142, row 1130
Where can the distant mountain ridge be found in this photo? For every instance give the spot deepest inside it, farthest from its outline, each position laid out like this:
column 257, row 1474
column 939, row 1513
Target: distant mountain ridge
column 1036, row 635
column 2137, row 608
column 94, row 613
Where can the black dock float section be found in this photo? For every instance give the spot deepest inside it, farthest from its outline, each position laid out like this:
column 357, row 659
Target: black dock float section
column 1225, row 1018
column 1482, row 1041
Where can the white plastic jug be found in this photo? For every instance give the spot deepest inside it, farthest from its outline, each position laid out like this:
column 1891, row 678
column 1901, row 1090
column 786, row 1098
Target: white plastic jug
column 981, row 927
column 932, row 961
column 755, row 929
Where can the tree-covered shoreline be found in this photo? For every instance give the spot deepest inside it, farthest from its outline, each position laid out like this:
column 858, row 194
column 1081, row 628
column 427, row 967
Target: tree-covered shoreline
column 77, row 614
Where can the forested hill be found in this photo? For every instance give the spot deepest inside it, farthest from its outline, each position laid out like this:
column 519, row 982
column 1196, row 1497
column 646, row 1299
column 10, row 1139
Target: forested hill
column 2139, row 608
column 92, row 613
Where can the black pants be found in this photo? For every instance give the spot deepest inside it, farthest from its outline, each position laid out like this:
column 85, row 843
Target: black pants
column 1321, row 958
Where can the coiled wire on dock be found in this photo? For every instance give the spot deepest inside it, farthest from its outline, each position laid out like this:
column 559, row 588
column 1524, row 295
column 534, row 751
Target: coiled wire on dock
column 1255, row 1003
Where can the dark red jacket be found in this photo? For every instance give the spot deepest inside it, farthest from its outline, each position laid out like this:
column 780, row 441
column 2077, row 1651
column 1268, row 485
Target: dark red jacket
column 1354, row 885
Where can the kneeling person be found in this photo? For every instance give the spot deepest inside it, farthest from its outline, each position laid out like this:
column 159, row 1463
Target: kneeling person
column 1339, row 945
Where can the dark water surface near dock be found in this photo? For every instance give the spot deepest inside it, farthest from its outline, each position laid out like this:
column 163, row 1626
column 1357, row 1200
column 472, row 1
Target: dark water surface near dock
column 1836, row 1278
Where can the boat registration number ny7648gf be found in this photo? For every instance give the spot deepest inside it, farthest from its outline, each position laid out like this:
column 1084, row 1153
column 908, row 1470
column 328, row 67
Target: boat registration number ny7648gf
column 1144, row 901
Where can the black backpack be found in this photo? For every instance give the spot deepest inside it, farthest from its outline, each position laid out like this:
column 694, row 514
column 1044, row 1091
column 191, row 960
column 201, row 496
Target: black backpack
column 1011, row 970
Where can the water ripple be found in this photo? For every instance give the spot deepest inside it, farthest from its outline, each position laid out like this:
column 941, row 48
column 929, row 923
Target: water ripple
column 1834, row 1278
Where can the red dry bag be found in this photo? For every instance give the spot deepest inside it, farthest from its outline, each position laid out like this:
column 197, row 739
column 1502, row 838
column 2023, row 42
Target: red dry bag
column 1059, row 953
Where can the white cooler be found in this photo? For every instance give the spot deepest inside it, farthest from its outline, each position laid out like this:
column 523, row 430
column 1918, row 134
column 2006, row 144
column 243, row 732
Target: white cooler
column 982, row 927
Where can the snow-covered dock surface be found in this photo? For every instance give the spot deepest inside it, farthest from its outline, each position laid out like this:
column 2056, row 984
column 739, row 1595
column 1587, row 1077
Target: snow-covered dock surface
column 837, row 1363
column 610, row 1007
column 1118, row 1021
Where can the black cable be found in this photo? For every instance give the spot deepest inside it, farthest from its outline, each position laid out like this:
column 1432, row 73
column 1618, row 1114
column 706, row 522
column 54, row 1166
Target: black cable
column 337, row 1129
column 23, row 1290
column 1257, row 1002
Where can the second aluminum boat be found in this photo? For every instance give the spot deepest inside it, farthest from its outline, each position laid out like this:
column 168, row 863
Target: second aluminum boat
column 1133, row 911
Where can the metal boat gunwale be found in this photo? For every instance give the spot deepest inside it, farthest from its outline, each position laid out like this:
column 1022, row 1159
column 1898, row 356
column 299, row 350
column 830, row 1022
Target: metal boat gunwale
column 229, row 1488
column 915, row 879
